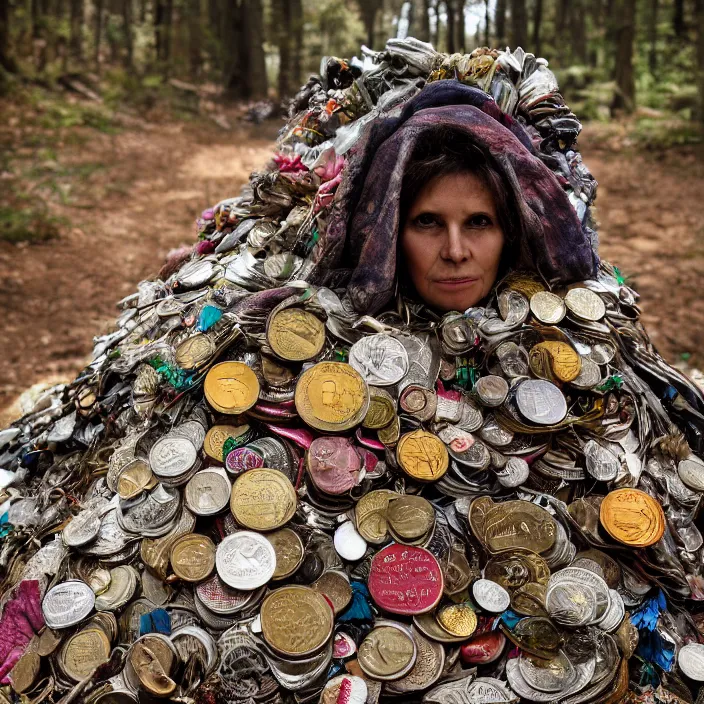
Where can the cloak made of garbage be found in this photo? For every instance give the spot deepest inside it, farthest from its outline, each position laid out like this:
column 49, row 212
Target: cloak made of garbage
column 360, row 243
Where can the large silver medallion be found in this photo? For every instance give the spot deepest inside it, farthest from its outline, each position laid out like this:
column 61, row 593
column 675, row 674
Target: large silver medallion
column 245, row 560
column 381, row 359
column 541, row 401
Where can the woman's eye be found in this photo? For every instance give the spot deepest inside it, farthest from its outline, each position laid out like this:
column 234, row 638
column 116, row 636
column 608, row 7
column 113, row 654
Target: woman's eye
column 425, row 220
column 479, row 221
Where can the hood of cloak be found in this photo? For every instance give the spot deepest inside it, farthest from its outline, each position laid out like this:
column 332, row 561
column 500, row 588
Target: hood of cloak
column 359, row 247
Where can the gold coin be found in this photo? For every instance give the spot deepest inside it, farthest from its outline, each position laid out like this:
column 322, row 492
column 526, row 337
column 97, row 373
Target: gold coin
column 231, row 387
column 155, row 551
column 153, row 660
column 296, row 621
column 288, row 547
column 632, row 517
column 218, row 435
column 336, row 587
column 564, row 361
column 422, row 455
column 332, row 396
column 410, row 517
column 263, row 499
column 519, row 524
column 523, row 283
column 83, row 652
column 387, row 653
column 193, row 557
column 25, row 672
column 134, row 479
column 295, row 335
column 195, row 351
column 390, row 434
column 457, row 619
column 276, row 374
column 370, row 515
column 382, row 409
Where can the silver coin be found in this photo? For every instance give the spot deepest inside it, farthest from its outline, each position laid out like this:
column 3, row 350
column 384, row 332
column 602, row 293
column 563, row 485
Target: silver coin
column 464, row 447
column 495, row 434
column 172, row 456
column 541, row 401
column 490, row 596
column 513, row 359
column 245, row 560
column 584, row 673
column 67, row 603
column 589, row 375
column 208, row 492
column 349, row 544
column 554, row 676
column 691, row 472
column 152, row 511
column 111, row 538
column 585, row 304
column 513, row 306
column 514, row 473
column 470, row 415
column 571, row 604
column 602, row 353
column 615, row 613
column 547, row 307
column 381, row 359
column 82, row 529
column 691, row 661
column 491, row 390
column 601, row 463
column 470, row 690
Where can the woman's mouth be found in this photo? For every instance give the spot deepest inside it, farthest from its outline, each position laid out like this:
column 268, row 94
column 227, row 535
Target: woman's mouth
column 455, row 282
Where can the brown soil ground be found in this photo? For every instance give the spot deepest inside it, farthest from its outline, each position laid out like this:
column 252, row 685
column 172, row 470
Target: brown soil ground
column 55, row 296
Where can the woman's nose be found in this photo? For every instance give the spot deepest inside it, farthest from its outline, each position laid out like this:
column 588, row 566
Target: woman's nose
column 455, row 247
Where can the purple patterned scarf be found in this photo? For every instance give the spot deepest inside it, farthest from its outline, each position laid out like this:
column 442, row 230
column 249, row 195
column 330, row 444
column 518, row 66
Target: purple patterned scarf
column 358, row 248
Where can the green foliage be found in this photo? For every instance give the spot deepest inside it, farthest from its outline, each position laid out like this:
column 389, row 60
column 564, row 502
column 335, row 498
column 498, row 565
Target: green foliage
column 29, row 224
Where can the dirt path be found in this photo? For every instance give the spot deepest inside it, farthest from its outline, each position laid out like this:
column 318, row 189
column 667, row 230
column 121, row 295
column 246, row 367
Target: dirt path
column 56, row 296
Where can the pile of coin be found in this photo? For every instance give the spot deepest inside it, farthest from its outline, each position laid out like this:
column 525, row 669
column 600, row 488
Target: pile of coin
column 252, row 494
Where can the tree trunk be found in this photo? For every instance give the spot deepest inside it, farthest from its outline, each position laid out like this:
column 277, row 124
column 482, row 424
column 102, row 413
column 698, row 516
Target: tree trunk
column 699, row 19
column 450, row 11
column 76, row 40
column 297, row 30
column 678, row 23
column 487, row 24
column 461, row 28
column 500, row 22
column 194, row 38
column 127, row 30
column 6, row 60
column 168, row 25
column 537, row 26
column 159, row 12
column 579, row 31
column 253, row 29
column 435, row 26
column 625, row 19
column 98, row 33
column 369, row 10
column 519, row 24
column 653, row 37
column 424, row 32
column 282, row 22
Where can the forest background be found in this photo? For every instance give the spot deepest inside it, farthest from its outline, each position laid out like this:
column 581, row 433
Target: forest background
column 121, row 119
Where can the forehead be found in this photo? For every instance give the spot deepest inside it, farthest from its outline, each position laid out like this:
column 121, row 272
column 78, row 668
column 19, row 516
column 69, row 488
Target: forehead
column 458, row 192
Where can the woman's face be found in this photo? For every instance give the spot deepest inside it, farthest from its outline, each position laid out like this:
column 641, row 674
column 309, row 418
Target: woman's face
column 452, row 241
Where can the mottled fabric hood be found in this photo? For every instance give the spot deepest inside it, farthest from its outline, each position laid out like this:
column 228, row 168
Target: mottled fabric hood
column 359, row 248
